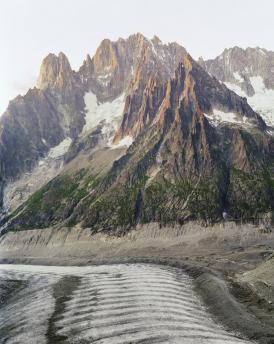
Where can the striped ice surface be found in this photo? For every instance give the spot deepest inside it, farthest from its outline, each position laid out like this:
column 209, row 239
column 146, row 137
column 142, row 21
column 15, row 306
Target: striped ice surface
column 113, row 304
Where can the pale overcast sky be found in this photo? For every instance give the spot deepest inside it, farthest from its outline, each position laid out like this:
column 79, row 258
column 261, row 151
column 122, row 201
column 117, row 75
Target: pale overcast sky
column 30, row 29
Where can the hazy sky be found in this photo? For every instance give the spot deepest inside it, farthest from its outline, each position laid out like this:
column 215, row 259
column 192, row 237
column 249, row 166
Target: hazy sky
column 30, row 29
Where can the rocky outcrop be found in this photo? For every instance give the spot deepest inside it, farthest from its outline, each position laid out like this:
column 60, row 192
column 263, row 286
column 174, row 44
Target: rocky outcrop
column 209, row 95
column 41, row 119
column 29, row 127
column 56, row 72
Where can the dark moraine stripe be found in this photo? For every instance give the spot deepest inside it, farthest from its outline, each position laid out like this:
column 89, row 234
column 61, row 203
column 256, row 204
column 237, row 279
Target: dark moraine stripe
column 62, row 292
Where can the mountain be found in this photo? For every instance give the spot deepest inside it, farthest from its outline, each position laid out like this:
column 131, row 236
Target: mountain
column 67, row 107
column 159, row 138
column 250, row 73
column 42, row 119
column 183, row 167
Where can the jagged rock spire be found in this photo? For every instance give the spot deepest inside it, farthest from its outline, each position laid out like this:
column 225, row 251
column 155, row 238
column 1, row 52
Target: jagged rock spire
column 55, row 71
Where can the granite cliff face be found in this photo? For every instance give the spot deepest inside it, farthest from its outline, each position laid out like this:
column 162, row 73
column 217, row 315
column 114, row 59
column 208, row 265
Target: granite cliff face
column 214, row 98
column 142, row 133
column 35, row 123
column 124, row 65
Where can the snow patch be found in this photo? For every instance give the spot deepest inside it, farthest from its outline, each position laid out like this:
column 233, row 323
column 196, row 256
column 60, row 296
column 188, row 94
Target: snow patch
column 257, row 83
column 126, row 141
column 235, row 88
column 96, row 112
column 238, row 77
column 262, row 101
column 219, row 116
column 104, row 79
column 60, row 149
column 270, row 132
column 104, row 76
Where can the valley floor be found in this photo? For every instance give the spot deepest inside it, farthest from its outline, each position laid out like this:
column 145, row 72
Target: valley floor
column 232, row 266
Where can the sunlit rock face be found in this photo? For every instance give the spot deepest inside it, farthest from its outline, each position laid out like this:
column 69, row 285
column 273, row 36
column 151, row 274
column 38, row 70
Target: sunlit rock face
column 117, row 66
column 114, row 304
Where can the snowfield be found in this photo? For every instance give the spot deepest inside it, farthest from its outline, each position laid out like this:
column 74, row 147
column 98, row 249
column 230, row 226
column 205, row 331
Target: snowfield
column 219, row 116
column 61, row 149
column 262, row 101
column 126, row 141
column 107, row 113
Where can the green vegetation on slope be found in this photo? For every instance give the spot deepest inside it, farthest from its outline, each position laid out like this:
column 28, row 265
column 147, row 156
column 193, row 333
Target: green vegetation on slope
column 250, row 194
column 55, row 201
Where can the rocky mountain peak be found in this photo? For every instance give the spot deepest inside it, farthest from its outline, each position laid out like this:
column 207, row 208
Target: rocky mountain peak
column 125, row 65
column 55, row 71
column 105, row 58
column 248, row 72
column 190, row 91
column 236, row 63
column 88, row 60
column 156, row 40
column 134, row 38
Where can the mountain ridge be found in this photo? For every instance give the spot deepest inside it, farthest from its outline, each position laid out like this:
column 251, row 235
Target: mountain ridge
column 250, row 73
column 64, row 93
column 194, row 142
